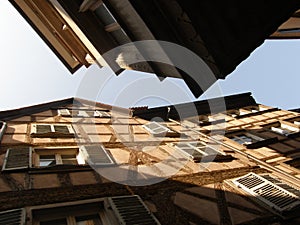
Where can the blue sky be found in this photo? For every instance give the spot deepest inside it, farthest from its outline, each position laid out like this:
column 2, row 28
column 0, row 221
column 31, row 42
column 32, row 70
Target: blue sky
column 32, row 74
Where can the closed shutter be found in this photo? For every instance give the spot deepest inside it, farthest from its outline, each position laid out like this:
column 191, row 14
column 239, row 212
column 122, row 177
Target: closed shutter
column 275, row 196
column 131, row 210
column 18, row 158
column 13, row 217
column 96, row 155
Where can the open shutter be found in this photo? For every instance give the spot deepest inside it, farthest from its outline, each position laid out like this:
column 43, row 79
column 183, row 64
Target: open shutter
column 131, row 210
column 96, row 155
column 18, row 158
column 2, row 129
column 13, row 217
column 275, row 196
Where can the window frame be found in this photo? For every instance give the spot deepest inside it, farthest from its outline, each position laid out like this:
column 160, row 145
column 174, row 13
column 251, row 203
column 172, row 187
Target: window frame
column 102, row 114
column 219, row 155
column 108, row 214
column 260, row 140
column 286, row 128
column 167, row 133
column 57, row 152
column 64, row 112
column 53, row 133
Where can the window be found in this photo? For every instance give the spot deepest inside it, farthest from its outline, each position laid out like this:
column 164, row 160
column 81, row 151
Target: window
column 198, row 151
column 2, row 129
column 15, row 216
column 245, row 138
column 250, row 140
column 285, row 128
column 157, row 129
column 102, row 114
column 27, row 157
column 45, row 157
column 276, row 194
column 96, row 155
column 106, row 211
column 52, row 130
column 64, row 112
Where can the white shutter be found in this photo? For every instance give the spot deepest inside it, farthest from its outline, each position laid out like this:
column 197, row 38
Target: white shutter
column 131, row 210
column 18, row 158
column 13, row 217
column 3, row 126
column 275, row 196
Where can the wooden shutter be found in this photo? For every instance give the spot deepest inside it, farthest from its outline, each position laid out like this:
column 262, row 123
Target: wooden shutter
column 2, row 129
column 96, row 155
column 17, row 158
column 13, row 217
column 275, row 196
column 131, row 210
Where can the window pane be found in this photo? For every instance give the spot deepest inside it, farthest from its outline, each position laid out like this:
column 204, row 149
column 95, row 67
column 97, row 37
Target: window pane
column 47, row 160
column 55, row 222
column 69, row 159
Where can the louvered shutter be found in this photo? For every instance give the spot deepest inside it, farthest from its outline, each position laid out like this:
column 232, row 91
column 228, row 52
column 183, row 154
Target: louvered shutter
column 96, row 155
column 18, row 158
column 131, row 210
column 275, row 196
column 13, row 217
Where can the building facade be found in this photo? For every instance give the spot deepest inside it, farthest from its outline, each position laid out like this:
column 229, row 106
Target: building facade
column 73, row 162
